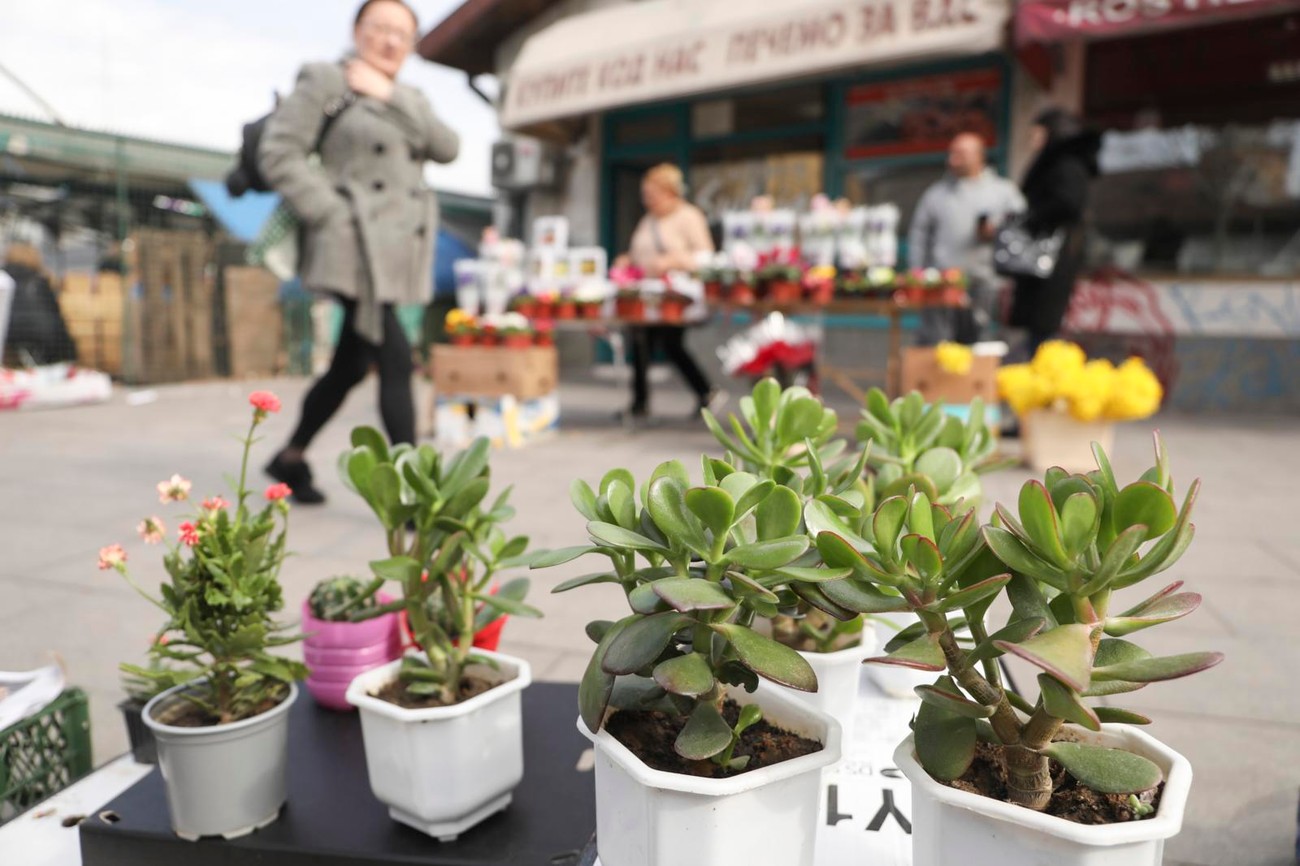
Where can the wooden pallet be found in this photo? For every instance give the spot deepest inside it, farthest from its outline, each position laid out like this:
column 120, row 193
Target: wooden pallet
column 254, row 322
column 169, row 314
column 93, row 307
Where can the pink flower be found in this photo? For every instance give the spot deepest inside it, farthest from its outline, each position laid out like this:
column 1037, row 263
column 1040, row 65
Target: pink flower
column 152, row 530
column 189, row 534
column 112, row 556
column 264, row 401
column 174, row 489
column 276, row 492
column 214, row 503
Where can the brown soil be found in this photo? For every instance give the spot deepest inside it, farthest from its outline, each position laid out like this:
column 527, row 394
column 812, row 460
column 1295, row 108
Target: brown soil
column 1071, row 800
column 471, row 685
column 650, row 735
column 183, row 714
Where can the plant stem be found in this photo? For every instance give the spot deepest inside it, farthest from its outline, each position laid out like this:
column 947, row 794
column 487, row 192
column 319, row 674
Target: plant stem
column 1005, row 722
column 1029, row 778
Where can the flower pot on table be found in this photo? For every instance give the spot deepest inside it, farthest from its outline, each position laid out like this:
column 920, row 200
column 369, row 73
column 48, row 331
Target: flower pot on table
column 784, row 292
column 143, row 747
column 741, row 294
column 1051, row 438
column 713, row 291
column 462, row 339
column 590, row 310
column 839, row 674
column 527, row 308
column 952, row 826
column 222, row 780
column 335, row 652
column 821, row 293
column 672, row 311
column 442, row 770
column 950, row 296
column 630, row 309
column 566, row 310
column 648, row 817
column 517, row 341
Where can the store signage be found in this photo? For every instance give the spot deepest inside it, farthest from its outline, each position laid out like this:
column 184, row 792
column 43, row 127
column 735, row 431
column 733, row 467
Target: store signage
column 921, row 115
column 700, row 47
column 1055, row 20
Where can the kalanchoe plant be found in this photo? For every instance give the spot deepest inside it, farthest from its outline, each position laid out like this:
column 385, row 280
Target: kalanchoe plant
column 1076, row 540
column 445, row 549
column 915, row 445
column 344, row 599
column 699, row 563
column 222, row 591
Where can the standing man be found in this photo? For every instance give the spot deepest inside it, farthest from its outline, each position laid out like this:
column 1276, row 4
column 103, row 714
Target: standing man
column 953, row 227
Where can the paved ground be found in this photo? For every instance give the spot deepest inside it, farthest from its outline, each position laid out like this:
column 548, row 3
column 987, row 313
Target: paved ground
column 80, row 478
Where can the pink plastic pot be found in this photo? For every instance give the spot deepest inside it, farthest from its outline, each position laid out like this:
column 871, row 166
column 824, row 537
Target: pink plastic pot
column 337, row 652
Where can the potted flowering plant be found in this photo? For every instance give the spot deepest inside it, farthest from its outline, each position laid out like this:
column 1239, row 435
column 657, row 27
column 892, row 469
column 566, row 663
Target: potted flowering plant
column 524, row 304
column 220, row 721
column 1003, row 777
column 1065, row 401
column 880, row 282
column 711, row 276
column 952, row 288
column 671, row 698
column 786, row 436
column 819, row 284
column 566, row 307
column 590, row 299
column 629, row 304
column 911, row 288
column 543, row 333
column 449, row 709
column 672, row 306
column 739, row 284
column 546, row 301
column 461, row 328
column 350, row 628
column 514, row 330
column 780, row 282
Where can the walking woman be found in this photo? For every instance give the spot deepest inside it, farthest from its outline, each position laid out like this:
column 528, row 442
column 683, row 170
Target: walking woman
column 668, row 238
column 370, row 222
column 1056, row 194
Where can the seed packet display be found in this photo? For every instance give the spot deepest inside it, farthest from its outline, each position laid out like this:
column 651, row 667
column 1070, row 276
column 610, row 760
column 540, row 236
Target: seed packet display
column 551, row 233
column 882, row 235
column 779, row 228
column 737, row 229
column 587, row 264
column 469, row 291
column 818, row 232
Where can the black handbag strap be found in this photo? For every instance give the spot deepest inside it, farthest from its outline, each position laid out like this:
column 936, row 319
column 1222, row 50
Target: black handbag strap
column 333, row 111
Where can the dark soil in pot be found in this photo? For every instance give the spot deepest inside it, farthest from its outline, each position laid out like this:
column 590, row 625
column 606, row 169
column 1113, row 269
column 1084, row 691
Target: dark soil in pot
column 1071, row 799
column 181, row 713
column 650, row 734
column 471, row 685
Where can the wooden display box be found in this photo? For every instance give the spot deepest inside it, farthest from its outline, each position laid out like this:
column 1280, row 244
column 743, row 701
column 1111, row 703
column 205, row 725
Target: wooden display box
column 254, row 321
column 490, row 371
column 921, row 372
column 92, row 307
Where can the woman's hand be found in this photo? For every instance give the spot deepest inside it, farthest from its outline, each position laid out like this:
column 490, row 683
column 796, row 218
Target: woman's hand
column 368, row 81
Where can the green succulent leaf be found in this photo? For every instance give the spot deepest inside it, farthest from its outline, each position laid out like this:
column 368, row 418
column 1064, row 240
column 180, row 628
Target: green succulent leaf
column 799, row 419
column 713, row 506
column 922, row 654
column 819, row 517
column 617, row 536
column 861, row 596
column 641, row 641
column 1119, row 716
column 507, row 604
column 559, row 556
column 1109, row 771
column 1079, row 516
column 583, row 499
column 1028, row 601
column 688, row 675
column 768, row 658
column 1038, row 515
column 1118, row 555
column 1155, row 669
column 1065, row 703
column 768, row 555
column 813, row 595
column 1065, row 652
column 1013, row 553
column 1145, row 504
column 704, row 735
column 1164, row 609
column 945, row 740
column 942, row 465
column 1014, row 632
column 584, row 580
column 754, row 494
column 778, row 514
column 667, row 505
column 596, row 685
column 689, row 593
column 923, row 555
column 953, row 703
column 372, row 440
column 644, row 600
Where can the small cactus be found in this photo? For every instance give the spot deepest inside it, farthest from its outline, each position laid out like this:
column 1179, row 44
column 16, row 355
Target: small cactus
column 342, row 599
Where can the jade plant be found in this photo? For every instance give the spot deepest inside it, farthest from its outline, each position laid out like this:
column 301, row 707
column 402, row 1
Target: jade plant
column 699, row 563
column 222, row 591
column 918, row 445
column 344, row 599
column 1075, row 541
column 446, row 546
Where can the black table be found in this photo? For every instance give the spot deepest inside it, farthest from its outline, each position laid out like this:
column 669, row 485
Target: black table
column 332, row 818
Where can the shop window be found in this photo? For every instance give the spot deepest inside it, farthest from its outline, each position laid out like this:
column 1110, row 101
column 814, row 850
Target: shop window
column 921, row 115
column 727, row 177
column 1200, row 199
column 643, row 128
column 754, row 112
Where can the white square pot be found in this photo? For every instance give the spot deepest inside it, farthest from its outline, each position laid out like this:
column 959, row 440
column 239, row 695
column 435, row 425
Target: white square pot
column 1053, row 438
column 951, row 826
column 839, row 675
column 444, row 769
column 647, row 817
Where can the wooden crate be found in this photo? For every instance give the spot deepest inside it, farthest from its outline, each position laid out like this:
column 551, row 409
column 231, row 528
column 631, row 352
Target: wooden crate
column 489, row 371
column 93, row 307
column 254, row 322
column 173, row 309
column 921, row 372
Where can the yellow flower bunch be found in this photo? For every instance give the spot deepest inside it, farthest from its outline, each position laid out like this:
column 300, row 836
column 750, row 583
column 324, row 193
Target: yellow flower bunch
column 954, row 358
column 459, row 320
column 1061, row 376
column 821, row 272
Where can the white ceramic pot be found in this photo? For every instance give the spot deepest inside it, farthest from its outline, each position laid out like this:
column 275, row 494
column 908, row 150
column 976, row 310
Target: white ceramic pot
column 1053, row 438
column 839, row 675
column 444, row 769
column 223, row 780
column 951, row 826
column 647, row 817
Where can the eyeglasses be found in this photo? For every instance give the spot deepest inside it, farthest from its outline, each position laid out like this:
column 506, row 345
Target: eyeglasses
column 406, row 37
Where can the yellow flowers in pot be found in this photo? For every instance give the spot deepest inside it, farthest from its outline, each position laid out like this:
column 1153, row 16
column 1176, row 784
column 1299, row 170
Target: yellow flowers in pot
column 1061, row 377
column 954, row 358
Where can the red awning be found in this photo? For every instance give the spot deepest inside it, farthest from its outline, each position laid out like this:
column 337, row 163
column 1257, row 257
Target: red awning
column 1057, row 20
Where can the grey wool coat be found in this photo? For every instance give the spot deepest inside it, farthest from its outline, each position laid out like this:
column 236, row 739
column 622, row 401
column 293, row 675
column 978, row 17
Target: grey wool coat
column 369, row 220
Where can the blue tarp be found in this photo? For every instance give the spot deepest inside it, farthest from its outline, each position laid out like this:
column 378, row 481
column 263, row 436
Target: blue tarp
column 243, row 217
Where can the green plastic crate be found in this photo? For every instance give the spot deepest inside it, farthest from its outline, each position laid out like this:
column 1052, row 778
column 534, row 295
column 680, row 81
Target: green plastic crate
column 44, row 754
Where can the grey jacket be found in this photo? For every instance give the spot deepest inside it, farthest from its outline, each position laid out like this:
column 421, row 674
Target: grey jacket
column 943, row 230
column 369, row 219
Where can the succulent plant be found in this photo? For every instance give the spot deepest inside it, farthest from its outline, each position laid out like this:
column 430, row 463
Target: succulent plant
column 1076, row 540
column 699, row 563
column 344, row 599
column 915, row 445
column 442, row 542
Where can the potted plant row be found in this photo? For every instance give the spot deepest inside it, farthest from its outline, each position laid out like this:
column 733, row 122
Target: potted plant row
column 219, row 714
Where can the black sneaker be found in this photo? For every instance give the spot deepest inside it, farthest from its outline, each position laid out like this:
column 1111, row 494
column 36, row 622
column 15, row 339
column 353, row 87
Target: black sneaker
column 297, row 474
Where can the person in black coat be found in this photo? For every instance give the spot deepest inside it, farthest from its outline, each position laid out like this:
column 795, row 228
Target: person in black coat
column 1056, row 194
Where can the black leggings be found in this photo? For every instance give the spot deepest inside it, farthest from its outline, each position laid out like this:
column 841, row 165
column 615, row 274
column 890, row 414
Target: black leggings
column 353, row 358
column 672, row 341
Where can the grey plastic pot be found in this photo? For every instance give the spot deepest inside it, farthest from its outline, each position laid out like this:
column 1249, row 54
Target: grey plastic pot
column 223, row 780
